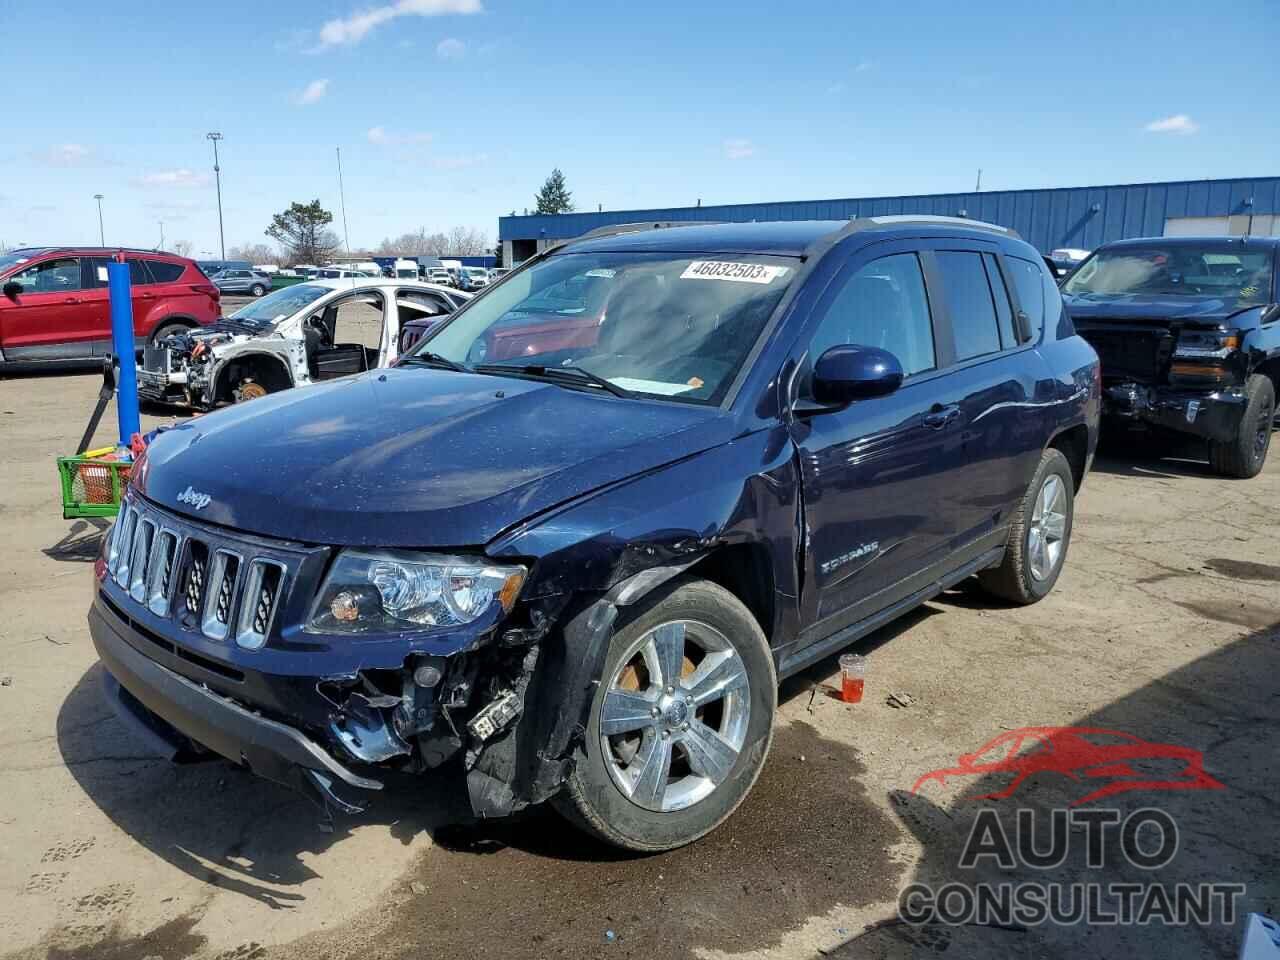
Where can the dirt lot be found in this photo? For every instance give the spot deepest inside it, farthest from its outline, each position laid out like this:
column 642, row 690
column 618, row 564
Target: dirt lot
column 1165, row 625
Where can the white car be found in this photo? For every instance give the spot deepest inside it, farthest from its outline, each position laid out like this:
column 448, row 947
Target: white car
column 297, row 335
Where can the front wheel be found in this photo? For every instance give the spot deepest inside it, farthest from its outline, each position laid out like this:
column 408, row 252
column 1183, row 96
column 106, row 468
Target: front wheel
column 1244, row 454
column 1038, row 536
column 166, row 330
column 680, row 723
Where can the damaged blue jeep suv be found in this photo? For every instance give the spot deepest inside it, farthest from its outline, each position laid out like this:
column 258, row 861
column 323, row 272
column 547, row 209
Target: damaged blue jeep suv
column 709, row 456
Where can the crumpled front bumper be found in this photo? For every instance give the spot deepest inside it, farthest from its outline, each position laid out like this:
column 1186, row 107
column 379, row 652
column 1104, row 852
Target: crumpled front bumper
column 169, row 710
column 1213, row 415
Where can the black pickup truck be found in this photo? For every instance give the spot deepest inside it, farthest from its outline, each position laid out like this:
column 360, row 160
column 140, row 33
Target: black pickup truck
column 1188, row 332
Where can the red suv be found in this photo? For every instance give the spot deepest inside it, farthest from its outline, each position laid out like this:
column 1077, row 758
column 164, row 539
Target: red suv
column 54, row 308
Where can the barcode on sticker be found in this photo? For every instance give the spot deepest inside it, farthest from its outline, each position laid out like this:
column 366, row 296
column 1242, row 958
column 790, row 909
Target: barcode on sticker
column 729, row 270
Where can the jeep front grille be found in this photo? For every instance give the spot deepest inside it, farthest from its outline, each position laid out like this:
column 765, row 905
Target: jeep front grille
column 206, row 580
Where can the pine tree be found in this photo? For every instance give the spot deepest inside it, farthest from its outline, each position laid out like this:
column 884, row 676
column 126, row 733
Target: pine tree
column 554, row 197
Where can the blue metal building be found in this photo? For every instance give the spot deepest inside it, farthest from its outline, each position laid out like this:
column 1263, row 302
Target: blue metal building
column 1079, row 217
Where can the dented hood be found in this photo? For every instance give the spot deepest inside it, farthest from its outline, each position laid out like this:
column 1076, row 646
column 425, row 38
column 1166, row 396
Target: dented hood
column 1196, row 310
column 413, row 457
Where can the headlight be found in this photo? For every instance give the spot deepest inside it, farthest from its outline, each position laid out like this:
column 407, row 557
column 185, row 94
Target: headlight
column 1211, row 345
column 395, row 591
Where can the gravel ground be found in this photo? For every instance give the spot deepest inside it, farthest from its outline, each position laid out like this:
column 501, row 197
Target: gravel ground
column 1165, row 624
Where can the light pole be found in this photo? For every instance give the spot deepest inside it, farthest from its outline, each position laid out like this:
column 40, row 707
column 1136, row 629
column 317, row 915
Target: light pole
column 102, row 241
column 217, row 176
column 161, row 234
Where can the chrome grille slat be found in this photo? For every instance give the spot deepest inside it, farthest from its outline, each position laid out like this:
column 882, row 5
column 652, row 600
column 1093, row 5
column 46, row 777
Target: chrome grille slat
column 211, row 582
column 258, row 602
column 224, row 570
column 164, row 555
column 124, row 546
column 144, row 534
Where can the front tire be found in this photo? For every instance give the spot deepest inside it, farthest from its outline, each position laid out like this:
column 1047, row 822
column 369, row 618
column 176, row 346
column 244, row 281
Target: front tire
column 1244, row 454
column 1038, row 536
column 166, row 330
column 680, row 724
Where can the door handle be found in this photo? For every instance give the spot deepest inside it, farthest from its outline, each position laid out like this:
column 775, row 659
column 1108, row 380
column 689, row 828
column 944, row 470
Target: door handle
column 71, row 300
column 940, row 416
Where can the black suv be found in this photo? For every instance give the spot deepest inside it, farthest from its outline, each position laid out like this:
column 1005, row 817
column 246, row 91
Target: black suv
column 581, row 571
column 1189, row 340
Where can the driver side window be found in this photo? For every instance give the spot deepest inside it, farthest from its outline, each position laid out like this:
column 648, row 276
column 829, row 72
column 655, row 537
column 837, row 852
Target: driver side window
column 883, row 305
column 357, row 320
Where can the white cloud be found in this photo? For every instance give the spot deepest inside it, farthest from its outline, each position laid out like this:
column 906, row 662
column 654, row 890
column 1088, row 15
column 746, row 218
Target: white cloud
column 863, row 67
column 181, row 177
column 346, row 31
column 451, row 48
column 385, row 138
column 738, row 148
column 1178, row 123
column 313, row 92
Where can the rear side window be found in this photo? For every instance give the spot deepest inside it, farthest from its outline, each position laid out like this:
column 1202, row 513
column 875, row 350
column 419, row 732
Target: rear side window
column 1031, row 284
column 138, row 273
column 1004, row 312
column 883, row 305
column 973, row 312
column 164, row 271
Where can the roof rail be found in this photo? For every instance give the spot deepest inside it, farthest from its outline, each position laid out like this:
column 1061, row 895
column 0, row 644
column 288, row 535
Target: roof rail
column 946, row 222
column 617, row 228
column 923, row 219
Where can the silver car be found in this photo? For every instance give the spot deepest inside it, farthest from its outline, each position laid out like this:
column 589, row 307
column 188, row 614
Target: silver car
column 252, row 282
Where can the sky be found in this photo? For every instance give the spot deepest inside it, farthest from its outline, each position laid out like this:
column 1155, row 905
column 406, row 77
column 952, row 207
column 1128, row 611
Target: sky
column 453, row 112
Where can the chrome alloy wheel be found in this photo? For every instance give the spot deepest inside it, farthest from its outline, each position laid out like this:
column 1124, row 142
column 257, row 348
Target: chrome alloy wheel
column 674, row 715
column 1048, row 528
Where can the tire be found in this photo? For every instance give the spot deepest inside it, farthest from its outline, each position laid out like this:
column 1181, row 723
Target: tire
column 257, row 290
column 167, row 330
column 696, row 618
column 1244, row 454
column 1028, row 572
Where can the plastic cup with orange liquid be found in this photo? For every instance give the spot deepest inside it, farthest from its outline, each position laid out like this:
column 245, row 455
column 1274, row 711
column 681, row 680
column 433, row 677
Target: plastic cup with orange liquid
column 853, row 673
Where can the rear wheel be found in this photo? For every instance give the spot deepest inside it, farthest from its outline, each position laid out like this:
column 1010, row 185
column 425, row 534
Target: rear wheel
column 257, row 290
column 1038, row 536
column 680, row 724
column 1244, row 454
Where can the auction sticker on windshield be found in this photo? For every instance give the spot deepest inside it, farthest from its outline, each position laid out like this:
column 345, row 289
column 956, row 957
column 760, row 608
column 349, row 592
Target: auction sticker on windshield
column 729, row 270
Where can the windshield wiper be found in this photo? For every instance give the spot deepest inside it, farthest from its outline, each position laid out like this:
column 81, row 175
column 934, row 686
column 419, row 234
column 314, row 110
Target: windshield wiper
column 427, row 358
column 554, row 375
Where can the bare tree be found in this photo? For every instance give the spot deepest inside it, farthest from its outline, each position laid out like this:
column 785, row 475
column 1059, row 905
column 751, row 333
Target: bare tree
column 254, row 253
column 182, row 248
column 467, row 242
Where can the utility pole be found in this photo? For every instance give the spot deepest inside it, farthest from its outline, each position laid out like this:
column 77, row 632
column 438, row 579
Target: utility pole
column 342, row 198
column 102, row 240
column 978, row 188
column 217, row 176
column 161, row 234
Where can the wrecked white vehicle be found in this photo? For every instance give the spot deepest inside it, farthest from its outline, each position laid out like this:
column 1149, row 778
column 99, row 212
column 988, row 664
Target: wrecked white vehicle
column 297, row 335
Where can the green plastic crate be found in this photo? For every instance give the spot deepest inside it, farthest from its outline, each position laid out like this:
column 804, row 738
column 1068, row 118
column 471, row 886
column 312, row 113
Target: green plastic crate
column 91, row 486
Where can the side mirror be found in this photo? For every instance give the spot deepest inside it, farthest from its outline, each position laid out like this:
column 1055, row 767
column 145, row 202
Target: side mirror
column 12, row 289
column 849, row 372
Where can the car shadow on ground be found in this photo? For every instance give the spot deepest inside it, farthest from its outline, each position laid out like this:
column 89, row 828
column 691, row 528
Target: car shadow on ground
column 215, row 821
column 81, row 543
column 1225, row 705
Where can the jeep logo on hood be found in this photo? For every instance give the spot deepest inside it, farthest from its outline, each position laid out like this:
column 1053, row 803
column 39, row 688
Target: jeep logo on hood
column 193, row 498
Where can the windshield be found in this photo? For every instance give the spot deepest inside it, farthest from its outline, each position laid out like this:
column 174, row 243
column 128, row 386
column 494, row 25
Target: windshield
column 8, row 260
column 285, row 302
column 1227, row 272
column 665, row 325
